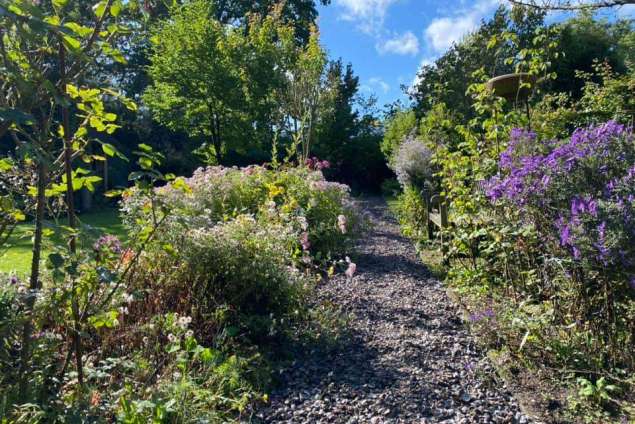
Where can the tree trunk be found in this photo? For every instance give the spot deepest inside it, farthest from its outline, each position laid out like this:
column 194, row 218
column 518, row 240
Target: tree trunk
column 72, row 218
column 34, row 279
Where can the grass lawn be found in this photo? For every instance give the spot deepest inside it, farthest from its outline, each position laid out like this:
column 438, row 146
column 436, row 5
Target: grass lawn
column 17, row 258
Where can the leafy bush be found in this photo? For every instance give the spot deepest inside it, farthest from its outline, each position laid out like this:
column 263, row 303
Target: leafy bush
column 233, row 274
column 412, row 213
column 320, row 212
column 578, row 196
column 413, row 164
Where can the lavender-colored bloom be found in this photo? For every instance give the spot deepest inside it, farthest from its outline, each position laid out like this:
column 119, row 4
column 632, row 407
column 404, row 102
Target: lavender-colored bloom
column 13, row 280
column 603, row 250
column 108, row 242
column 632, row 282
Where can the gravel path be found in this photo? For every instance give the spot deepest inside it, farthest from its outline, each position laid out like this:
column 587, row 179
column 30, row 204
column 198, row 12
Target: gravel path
column 409, row 358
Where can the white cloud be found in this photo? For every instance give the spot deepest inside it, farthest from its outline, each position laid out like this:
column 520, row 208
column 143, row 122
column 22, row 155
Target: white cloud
column 443, row 32
column 405, row 44
column 380, row 84
column 369, row 14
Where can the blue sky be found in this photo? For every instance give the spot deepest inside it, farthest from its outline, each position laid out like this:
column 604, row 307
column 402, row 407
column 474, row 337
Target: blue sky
column 388, row 40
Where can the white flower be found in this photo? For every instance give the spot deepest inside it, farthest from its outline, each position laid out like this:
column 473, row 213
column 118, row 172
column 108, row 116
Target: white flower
column 303, row 223
column 171, row 338
column 189, row 333
column 341, row 223
column 128, row 298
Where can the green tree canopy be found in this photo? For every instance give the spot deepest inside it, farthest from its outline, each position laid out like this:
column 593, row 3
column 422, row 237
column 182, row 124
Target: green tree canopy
column 216, row 81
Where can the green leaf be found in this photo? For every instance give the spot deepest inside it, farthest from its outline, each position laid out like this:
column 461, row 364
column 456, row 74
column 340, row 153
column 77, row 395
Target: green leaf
column 113, row 193
column 109, row 149
column 71, row 43
column 78, row 29
column 106, row 319
column 5, row 164
column 59, row 4
column 72, row 91
column 56, row 260
column 100, row 8
column 145, row 163
column 115, row 9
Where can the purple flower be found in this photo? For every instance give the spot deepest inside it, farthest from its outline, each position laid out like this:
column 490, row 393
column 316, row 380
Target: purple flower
column 632, row 282
column 108, row 242
column 600, row 245
column 13, row 280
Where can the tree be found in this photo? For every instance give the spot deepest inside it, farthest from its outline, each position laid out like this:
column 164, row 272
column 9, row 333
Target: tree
column 571, row 5
column 306, row 98
column 339, row 125
column 447, row 80
column 214, row 81
column 53, row 112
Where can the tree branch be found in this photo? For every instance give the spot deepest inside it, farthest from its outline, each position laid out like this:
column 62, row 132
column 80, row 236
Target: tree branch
column 568, row 5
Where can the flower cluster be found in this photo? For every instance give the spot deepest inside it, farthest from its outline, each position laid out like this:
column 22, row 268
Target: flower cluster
column 580, row 193
column 108, row 243
column 316, row 164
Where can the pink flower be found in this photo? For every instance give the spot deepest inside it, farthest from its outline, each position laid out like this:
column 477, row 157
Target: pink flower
column 341, row 223
column 352, row 268
column 304, row 241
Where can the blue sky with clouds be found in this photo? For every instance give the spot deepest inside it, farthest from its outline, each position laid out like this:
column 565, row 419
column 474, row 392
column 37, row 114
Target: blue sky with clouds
column 388, row 40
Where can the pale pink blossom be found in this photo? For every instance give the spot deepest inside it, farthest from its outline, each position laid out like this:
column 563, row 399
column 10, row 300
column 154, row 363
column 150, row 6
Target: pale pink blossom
column 352, row 268
column 341, row 223
column 304, row 241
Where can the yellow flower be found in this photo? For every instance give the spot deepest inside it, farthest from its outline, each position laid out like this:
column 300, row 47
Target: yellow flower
column 274, row 190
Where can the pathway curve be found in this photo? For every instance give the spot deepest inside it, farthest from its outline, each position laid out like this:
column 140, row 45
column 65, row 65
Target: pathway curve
column 409, row 358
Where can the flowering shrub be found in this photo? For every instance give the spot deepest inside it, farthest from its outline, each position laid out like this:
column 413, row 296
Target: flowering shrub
column 241, row 267
column 413, row 164
column 577, row 198
column 320, row 212
column 580, row 192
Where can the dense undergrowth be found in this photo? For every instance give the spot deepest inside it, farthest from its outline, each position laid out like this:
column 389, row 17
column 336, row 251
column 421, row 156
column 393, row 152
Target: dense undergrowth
column 541, row 239
column 184, row 322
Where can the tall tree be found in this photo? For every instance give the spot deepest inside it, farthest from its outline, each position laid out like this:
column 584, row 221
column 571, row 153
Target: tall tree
column 339, row 126
column 213, row 80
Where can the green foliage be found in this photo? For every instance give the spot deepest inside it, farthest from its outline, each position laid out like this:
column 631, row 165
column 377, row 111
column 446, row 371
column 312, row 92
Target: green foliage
column 217, row 82
column 398, row 128
column 522, row 291
column 413, row 214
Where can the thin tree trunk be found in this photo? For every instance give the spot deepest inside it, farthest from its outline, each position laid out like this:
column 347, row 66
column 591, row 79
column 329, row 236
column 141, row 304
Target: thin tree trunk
column 72, row 218
column 34, row 279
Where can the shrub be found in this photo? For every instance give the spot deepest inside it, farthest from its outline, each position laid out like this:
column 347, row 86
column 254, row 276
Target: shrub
column 578, row 196
column 235, row 273
column 413, row 214
column 413, row 164
column 321, row 213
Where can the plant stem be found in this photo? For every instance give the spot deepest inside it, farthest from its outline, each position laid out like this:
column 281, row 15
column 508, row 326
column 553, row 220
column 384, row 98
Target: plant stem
column 72, row 218
column 34, row 279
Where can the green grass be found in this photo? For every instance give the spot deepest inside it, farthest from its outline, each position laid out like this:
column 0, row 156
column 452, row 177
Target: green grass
column 17, row 258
